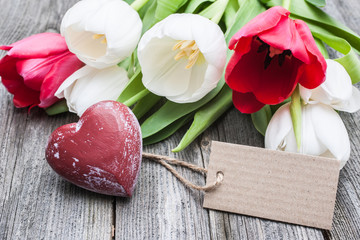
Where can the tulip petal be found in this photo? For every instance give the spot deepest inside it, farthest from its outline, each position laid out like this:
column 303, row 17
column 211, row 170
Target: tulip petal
column 352, row 104
column 332, row 132
column 170, row 77
column 38, row 46
column 279, row 127
column 262, row 22
column 199, row 85
column 310, row 143
column 57, row 75
column 314, row 72
column 167, row 77
column 246, row 102
column 23, row 96
column 91, row 17
column 271, row 85
column 82, row 72
column 88, row 86
column 34, row 70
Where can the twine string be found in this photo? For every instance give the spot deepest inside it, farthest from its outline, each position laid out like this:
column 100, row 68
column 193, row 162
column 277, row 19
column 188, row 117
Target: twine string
column 166, row 161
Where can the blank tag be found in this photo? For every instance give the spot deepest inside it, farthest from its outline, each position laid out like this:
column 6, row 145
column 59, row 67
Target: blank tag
column 275, row 185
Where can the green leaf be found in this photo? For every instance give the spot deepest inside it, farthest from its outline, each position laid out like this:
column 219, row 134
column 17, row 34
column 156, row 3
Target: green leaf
column 133, row 87
column 215, row 10
column 168, row 131
column 230, row 12
column 195, row 4
column 165, row 8
column 145, row 104
column 261, row 119
column 317, row 3
column 171, row 112
column 320, row 44
column 149, row 17
column 206, row 116
column 131, row 101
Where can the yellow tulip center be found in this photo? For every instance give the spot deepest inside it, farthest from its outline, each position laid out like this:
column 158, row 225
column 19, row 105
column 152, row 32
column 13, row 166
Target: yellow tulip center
column 100, row 37
column 189, row 50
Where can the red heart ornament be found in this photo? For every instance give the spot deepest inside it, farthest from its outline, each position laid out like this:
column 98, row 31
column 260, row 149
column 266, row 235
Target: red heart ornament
column 101, row 152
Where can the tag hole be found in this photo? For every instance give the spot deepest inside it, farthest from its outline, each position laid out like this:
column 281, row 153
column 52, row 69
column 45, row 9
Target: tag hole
column 219, row 176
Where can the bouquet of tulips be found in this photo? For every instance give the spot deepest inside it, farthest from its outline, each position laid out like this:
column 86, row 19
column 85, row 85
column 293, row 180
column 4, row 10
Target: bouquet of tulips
column 179, row 61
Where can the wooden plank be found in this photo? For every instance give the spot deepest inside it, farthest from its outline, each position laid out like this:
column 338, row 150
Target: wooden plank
column 162, row 207
column 35, row 202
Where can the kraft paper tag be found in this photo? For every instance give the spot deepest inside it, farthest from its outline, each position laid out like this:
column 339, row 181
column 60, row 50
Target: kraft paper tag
column 275, row 185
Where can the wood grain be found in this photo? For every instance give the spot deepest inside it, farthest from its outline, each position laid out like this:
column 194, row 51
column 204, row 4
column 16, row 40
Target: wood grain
column 37, row 204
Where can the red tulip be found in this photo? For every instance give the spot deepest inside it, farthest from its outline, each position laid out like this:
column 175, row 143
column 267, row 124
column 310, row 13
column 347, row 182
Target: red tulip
column 273, row 53
column 35, row 67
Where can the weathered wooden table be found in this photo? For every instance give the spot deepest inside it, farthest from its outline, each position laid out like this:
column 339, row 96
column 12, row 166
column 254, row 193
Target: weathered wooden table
column 35, row 203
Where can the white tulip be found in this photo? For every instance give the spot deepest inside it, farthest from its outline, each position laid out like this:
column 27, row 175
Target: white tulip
column 337, row 91
column 101, row 32
column 322, row 132
column 88, row 86
column 182, row 57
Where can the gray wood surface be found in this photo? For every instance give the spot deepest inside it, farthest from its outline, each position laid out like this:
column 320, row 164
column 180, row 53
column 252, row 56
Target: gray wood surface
column 35, row 203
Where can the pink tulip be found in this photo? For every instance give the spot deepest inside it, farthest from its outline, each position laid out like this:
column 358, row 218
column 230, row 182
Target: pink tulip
column 35, row 67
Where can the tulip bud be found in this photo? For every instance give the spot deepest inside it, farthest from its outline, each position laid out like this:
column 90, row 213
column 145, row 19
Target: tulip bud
column 88, row 86
column 322, row 132
column 101, row 33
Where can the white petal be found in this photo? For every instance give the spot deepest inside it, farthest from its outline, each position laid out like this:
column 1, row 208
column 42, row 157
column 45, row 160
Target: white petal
column 350, row 105
column 279, row 127
column 96, row 86
column 203, row 79
column 323, row 133
column 331, row 131
column 82, row 72
column 116, row 20
column 310, row 143
column 165, row 76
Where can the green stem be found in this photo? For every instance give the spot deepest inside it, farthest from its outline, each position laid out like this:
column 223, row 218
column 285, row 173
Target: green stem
column 138, row 4
column 286, row 4
column 131, row 101
column 57, row 108
column 295, row 112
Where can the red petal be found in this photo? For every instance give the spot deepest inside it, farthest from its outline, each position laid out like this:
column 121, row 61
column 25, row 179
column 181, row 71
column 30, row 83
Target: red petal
column 57, row 75
column 23, row 96
column 262, row 22
column 246, row 102
column 243, row 72
column 6, row 48
column 278, row 82
column 38, row 46
column 271, row 85
column 34, row 70
column 314, row 72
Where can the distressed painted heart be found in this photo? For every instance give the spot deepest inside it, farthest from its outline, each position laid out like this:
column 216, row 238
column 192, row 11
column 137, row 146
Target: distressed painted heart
column 101, row 152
